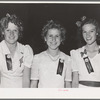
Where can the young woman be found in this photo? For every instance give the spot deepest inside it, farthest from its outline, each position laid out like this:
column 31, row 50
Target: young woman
column 51, row 68
column 15, row 58
column 86, row 59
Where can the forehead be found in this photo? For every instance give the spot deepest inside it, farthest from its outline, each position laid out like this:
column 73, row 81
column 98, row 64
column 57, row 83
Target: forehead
column 88, row 26
column 54, row 31
column 12, row 25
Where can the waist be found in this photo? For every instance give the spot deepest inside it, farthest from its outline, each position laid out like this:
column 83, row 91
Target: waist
column 90, row 83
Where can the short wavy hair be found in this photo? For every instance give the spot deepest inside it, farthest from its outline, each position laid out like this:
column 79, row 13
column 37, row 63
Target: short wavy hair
column 51, row 24
column 13, row 19
column 81, row 41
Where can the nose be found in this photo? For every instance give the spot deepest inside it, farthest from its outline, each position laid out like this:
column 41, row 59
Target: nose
column 88, row 34
column 11, row 32
column 54, row 38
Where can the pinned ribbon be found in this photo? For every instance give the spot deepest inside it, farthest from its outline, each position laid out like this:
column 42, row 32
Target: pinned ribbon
column 88, row 65
column 87, row 61
column 21, row 61
column 60, row 67
column 9, row 62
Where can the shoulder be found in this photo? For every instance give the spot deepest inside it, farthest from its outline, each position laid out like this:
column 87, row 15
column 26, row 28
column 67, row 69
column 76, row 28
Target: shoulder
column 2, row 47
column 64, row 56
column 28, row 47
column 25, row 48
column 40, row 55
column 77, row 51
column 1, row 43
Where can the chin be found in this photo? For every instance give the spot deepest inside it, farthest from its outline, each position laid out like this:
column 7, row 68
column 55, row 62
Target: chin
column 90, row 43
column 54, row 48
column 12, row 42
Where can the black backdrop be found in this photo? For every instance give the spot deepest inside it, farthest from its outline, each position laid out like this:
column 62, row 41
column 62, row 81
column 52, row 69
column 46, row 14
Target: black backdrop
column 35, row 15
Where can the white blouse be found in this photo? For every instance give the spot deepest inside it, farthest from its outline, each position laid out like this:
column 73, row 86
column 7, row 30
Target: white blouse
column 23, row 57
column 44, row 69
column 78, row 64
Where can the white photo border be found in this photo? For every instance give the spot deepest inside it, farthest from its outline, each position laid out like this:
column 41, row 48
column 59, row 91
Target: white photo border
column 61, row 93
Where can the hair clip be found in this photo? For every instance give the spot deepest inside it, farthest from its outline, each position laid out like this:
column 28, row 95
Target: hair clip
column 14, row 16
column 78, row 23
column 8, row 15
column 20, row 23
column 83, row 18
column 51, row 21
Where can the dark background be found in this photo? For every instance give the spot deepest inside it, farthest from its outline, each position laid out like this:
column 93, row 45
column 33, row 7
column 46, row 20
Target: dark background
column 34, row 16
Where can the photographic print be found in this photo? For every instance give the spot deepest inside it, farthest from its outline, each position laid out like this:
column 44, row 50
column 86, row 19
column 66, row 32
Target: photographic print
column 49, row 49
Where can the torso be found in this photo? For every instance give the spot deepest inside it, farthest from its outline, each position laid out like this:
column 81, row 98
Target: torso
column 10, row 78
column 95, row 62
column 48, row 76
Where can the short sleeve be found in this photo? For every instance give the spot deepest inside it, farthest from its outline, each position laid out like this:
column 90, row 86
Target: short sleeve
column 74, row 57
column 68, row 73
column 35, row 68
column 28, row 56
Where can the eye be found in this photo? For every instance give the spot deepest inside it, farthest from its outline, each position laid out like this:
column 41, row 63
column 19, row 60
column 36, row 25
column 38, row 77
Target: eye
column 50, row 36
column 84, row 32
column 15, row 30
column 57, row 36
column 92, row 30
column 7, row 30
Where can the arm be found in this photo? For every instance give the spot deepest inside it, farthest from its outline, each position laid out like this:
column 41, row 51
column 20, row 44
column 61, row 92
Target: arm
column 68, row 76
column 26, row 78
column 67, row 84
column 34, row 84
column 35, row 72
column 75, row 68
column 75, row 79
column 27, row 62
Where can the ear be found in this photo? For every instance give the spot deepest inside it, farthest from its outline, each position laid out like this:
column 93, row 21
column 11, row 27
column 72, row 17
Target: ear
column 2, row 33
column 96, row 33
column 61, row 40
column 45, row 39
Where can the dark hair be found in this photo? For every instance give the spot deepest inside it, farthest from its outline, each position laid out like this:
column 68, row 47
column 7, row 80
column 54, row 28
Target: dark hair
column 13, row 19
column 80, row 38
column 53, row 24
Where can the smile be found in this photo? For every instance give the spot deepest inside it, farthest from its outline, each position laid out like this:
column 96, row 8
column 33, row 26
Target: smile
column 88, row 39
column 11, row 38
column 53, row 43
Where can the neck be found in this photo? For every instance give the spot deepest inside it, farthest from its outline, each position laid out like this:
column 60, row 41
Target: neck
column 53, row 52
column 92, row 47
column 11, row 47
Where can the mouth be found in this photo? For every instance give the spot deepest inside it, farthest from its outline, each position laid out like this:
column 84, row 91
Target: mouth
column 11, row 38
column 53, row 43
column 88, row 39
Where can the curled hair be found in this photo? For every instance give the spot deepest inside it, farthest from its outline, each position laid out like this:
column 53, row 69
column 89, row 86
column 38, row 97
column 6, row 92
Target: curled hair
column 81, row 23
column 53, row 25
column 13, row 19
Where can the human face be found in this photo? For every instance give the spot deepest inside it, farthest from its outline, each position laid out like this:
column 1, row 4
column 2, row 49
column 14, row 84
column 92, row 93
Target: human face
column 89, row 33
column 53, row 38
column 11, row 33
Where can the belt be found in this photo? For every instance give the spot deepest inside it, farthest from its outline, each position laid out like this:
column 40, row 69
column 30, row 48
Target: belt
column 90, row 83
